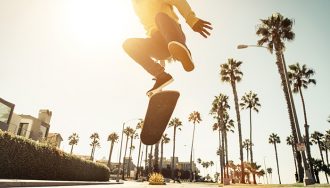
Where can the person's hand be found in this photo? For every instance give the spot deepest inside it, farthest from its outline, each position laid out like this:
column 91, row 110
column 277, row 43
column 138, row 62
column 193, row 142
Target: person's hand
column 202, row 27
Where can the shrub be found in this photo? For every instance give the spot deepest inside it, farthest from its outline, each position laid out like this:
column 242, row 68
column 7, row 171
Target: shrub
column 22, row 158
column 156, row 179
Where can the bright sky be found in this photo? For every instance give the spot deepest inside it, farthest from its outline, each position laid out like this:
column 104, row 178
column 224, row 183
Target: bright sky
column 66, row 56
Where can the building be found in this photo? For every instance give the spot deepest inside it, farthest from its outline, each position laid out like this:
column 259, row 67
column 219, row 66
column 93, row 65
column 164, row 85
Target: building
column 54, row 139
column 6, row 112
column 178, row 164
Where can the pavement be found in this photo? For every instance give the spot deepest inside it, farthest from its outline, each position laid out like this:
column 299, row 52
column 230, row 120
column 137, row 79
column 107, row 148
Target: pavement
column 47, row 183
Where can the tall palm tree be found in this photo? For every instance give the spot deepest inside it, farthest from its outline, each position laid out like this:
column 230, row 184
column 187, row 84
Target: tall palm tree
column 194, row 117
column 229, row 127
column 230, row 72
column 317, row 138
column 247, row 147
column 165, row 140
column 251, row 101
column 273, row 32
column 95, row 143
column 175, row 123
column 290, row 141
column 275, row 139
column 327, row 144
column 156, row 160
column 73, row 140
column 139, row 126
column 127, row 131
column 113, row 138
column 300, row 77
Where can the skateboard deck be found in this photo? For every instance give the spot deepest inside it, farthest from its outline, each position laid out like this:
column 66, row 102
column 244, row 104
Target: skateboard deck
column 160, row 108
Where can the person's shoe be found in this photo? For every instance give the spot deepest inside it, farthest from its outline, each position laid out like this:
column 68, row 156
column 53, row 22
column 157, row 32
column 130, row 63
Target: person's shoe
column 161, row 81
column 181, row 53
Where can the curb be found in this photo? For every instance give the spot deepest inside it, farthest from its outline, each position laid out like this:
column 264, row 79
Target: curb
column 43, row 183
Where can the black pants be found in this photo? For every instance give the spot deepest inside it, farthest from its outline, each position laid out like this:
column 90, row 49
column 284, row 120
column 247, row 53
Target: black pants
column 145, row 50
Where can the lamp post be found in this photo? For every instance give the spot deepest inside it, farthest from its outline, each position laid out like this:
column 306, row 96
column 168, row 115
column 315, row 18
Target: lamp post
column 121, row 144
column 308, row 180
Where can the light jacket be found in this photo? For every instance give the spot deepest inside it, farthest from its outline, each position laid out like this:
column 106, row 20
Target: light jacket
column 148, row 9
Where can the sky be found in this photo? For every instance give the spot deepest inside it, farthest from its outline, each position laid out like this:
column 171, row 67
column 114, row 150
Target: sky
column 66, row 56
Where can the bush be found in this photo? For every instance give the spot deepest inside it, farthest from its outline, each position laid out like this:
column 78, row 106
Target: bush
column 22, row 158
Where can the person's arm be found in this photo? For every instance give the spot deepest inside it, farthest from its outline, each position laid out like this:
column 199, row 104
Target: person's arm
column 198, row 25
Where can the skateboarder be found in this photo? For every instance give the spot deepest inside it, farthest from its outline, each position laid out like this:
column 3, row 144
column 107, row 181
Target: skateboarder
column 165, row 37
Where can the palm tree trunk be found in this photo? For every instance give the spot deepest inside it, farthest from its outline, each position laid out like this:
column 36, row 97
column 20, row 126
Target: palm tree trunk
column 146, row 167
column 278, row 168
column 239, row 129
column 294, row 161
column 161, row 156
column 71, row 149
column 150, row 159
column 123, row 175
column 290, row 105
column 172, row 173
column 223, row 150
column 226, row 145
column 109, row 160
column 220, row 157
column 138, row 162
column 251, row 152
column 191, row 152
column 156, row 161
column 129, row 159
column 308, row 148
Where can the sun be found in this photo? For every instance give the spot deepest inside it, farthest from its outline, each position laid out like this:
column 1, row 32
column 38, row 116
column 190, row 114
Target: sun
column 96, row 21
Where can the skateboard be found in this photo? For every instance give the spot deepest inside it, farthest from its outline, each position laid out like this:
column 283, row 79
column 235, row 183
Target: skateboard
column 160, row 108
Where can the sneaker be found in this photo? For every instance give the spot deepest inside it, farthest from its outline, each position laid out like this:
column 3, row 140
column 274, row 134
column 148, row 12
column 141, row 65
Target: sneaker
column 181, row 53
column 161, row 81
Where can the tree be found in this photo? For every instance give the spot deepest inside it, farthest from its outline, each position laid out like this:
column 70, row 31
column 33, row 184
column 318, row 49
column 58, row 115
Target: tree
column 300, row 77
column 261, row 173
column 194, row 117
column 127, row 131
column 273, row 32
column 139, row 126
column 175, row 123
column 270, row 172
column 290, row 142
column 247, row 146
column 73, row 140
column 275, row 139
column 165, row 140
column 230, row 72
column 133, row 135
column 251, row 101
column 229, row 127
column 317, row 139
column 113, row 138
column 95, row 143
column 219, row 110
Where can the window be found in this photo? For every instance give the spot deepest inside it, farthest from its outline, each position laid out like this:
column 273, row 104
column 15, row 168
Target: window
column 22, row 129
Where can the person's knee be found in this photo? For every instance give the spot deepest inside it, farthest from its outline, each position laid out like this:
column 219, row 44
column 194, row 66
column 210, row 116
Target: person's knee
column 127, row 45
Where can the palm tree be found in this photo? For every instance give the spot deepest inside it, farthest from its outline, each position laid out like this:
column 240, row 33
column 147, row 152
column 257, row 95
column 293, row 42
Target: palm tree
column 270, row 172
column 95, row 143
column 73, row 140
column 194, row 117
column 290, row 141
column 139, row 126
column 113, row 137
column 327, row 144
column 261, row 173
column 247, row 146
column 133, row 135
column 300, row 77
column 230, row 72
column 275, row 139
column 156, row 160
column 251, row 101
column 165, row 140
column 175, row 123
column 317, row 139
column 273, row 32
column 127, row 131
column 229, row 127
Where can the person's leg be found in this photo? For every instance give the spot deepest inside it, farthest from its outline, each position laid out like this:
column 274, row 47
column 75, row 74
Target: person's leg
column 143, row 50
column 176, row 40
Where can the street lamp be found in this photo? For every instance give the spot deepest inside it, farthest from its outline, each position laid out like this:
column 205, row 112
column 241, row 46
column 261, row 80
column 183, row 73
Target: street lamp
column 121, row 144
column 307, row 174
